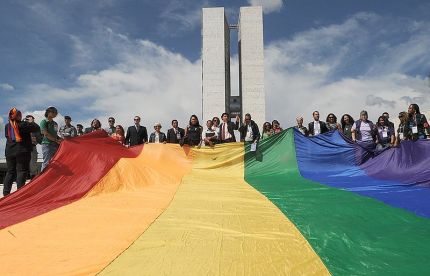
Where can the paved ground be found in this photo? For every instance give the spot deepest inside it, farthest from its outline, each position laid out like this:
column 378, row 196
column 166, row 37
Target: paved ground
column 1, row 189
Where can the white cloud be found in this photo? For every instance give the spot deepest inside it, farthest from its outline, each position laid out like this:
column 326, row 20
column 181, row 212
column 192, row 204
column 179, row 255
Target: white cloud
column 336, row 69
column 331, row 69
column 180, row 16
column 149, row 81
column 6, row 87
column 268, row 5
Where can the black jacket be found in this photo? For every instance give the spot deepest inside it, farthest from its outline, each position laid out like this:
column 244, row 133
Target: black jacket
column 231, row 127
column 171, row 136
column 323, row 128
column 162, row 137
column 255, row 132
column 134, row 137
column 25, row 146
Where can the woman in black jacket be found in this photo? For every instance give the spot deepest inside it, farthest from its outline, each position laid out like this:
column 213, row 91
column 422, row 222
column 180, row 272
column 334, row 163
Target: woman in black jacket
column 18, row 149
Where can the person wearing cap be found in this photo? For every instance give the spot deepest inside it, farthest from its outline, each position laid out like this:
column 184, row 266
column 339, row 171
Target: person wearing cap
column 36, row 138
column 67, row 131
column 157, row 136
column 18, row 149
column 111, row 129
column 50, row 140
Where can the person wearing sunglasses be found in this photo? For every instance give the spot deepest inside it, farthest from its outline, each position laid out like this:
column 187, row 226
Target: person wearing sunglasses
column 111, row 129
column 136, row 134
column 331, row 122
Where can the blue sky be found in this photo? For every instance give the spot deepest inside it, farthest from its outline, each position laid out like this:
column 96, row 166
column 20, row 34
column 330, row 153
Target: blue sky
column 121, row 58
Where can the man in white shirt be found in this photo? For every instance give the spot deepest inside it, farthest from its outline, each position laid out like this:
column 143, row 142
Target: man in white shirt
column 317, row 127
column 226, row 129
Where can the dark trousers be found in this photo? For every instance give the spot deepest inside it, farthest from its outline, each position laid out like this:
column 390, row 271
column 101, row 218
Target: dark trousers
column 17, row 168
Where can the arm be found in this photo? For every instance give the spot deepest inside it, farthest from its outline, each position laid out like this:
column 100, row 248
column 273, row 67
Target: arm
column 44, row 131
column 145, row 134
column 257, row 133
column 127, row 137
column 74, row 132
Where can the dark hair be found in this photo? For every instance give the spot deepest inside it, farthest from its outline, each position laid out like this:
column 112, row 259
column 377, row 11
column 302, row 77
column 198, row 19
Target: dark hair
column 122, row 129
column 342, row 121
column 97, row 122
column 334, row 116
column 314, row 112
column 416, row 108
column 209, row 121
column 29, row 116
column 67, row 118
column 247, row 114
column 403, row 116
column 265, row 124
column 174, row 120
column 383, row 118
column 385, row 113
column 79, row 125
column 195, row 116
column 275, row 122
column 50, row 109
column 225, row 113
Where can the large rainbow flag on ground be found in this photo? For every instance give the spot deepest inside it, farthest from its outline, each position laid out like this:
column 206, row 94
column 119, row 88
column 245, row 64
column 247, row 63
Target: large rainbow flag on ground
column 296, row 206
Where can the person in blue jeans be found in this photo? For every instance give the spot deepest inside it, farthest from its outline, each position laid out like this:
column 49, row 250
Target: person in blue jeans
column 50, row 140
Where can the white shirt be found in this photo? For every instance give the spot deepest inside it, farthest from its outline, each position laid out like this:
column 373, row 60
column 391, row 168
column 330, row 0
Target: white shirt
column 366, row 132
column 249, row 134
column 227, row 134
column 317, row 128
column 157, row 138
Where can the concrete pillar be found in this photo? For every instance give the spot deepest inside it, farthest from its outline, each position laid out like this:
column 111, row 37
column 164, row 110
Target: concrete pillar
column 251, row 63
column 215, row 63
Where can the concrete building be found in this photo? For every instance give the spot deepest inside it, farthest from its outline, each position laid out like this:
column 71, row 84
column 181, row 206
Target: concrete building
column 216, row 81
column 251, row 63
column 215, row 63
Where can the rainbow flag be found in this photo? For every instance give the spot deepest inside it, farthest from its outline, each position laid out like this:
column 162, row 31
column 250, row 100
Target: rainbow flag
column 296, row 206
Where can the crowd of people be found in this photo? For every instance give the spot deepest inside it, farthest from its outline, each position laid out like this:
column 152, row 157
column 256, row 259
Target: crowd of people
column 23, row 135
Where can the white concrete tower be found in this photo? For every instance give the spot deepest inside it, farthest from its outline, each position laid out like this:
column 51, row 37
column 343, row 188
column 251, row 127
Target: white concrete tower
column 215, row 63
column 251, row 63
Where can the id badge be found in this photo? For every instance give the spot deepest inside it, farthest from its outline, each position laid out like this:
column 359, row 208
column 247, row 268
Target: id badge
column 384, row 134
column 401, row 136
column 178, row 135
column 415, row 130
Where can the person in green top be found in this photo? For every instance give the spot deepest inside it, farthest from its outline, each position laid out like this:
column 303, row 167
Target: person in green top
column 346, row 124
column 50, row 140
column 266, row 131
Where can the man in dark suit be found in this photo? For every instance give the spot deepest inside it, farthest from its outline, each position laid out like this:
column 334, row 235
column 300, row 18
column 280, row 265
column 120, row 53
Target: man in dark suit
column 249, row 131
column 227, row 128
column 317, row 127
column 136, row 134
column 175, row 134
